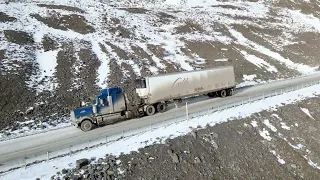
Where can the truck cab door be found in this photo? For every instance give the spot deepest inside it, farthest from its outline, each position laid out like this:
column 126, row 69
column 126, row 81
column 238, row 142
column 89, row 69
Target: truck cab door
column 110, row 104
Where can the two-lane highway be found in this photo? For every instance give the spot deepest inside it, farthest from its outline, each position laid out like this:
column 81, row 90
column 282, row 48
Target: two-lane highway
column 15, row 149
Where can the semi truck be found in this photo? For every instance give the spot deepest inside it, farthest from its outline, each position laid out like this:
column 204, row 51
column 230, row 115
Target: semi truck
column 155, row 93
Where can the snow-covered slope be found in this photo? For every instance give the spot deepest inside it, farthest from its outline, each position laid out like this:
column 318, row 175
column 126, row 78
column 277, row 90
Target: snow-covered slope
column 56, row 54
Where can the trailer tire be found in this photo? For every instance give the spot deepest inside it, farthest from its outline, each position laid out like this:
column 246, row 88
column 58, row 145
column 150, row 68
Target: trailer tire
column 150, row 110
column 230, row 92
column 161, row 107
column 86, row 125
column 223, row 93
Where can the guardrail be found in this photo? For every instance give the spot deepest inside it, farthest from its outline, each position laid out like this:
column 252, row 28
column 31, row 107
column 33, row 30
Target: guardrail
column 106, row 140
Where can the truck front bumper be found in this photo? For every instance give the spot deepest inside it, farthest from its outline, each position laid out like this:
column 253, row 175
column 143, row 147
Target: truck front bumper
column 75, row 124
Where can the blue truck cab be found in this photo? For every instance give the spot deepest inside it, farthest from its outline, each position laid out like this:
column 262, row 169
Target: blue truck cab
column 110, row 102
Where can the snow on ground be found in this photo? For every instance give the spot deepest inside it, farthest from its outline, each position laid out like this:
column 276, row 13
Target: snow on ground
column 259, row 62
column 269, row 125
column 47, row 62
column 281, row 161
column 304, row 69
column 284, row 126
column 146, row 26
column 306, row 111
column 45, row 170
column 265, row 134
column 31, row 128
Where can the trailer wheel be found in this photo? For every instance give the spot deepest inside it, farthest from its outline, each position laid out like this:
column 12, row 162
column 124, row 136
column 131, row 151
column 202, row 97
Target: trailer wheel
column 223, row 93
column 150, row 110
column 161, row 107
column 86, row 125
column 230, row 92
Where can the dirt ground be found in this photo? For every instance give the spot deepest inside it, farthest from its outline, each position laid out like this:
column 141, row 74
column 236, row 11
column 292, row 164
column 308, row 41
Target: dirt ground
column 276, row 144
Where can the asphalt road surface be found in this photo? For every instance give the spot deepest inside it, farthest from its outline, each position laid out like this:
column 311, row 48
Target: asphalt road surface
column 13, row 150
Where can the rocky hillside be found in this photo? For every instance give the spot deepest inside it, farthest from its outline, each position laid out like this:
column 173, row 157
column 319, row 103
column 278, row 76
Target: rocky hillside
column 54, row 55
column 280, row 143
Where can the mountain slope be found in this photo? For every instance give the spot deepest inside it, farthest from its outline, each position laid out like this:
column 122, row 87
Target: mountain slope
column 54, row 56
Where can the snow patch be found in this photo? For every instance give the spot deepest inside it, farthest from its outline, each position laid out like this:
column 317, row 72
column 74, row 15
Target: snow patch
column 265, row 134
column 269, row 125
column 254, row 124
column 47, row 64
column 304, row 69
column 222, row 60
column 277, row 116
column 281, row 161
column 284, row 126
column 306, row 111
column 258, row 62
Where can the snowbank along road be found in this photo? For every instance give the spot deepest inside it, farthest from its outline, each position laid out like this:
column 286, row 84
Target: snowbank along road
column 12, row 151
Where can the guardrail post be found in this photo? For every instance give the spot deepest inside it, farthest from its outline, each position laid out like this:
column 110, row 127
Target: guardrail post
column 150, row 127
column 25, row 163
column 106, row 140
column 48, row 156
column 187, row 114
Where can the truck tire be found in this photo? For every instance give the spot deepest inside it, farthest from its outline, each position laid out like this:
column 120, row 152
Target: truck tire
column 161, row 107
column 230, row 92
column 223, row 93
column 86, row 125
column 150, row 110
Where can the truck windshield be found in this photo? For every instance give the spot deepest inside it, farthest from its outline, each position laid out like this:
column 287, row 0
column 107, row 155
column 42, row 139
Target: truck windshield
column 93, row 100
column 141, row 83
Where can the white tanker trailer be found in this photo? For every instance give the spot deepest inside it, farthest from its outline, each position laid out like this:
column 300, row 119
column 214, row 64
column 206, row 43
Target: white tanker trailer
column 155, row 93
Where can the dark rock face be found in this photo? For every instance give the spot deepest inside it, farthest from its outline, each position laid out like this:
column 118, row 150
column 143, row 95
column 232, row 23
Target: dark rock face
column 81, row 163
column 103, row 168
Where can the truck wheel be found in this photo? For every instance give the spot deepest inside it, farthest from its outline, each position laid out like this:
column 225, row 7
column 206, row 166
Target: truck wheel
column 161, row 107
column 223, row 93
column 86, row 125
column 150, row 110
column 230, row 92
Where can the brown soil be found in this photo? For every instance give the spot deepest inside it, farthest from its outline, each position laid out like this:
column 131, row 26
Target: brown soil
column 63, row 7
column 6, row 18
column 2, row 54
column 307, row 49
column 135, row 10
column 189, row 27
column 310, row 7
column 18, row 37
column 65, row 76
column 74, row 22
column 49, row 44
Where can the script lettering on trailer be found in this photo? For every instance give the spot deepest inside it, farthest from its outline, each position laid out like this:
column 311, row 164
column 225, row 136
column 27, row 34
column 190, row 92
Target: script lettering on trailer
column 180, row 82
